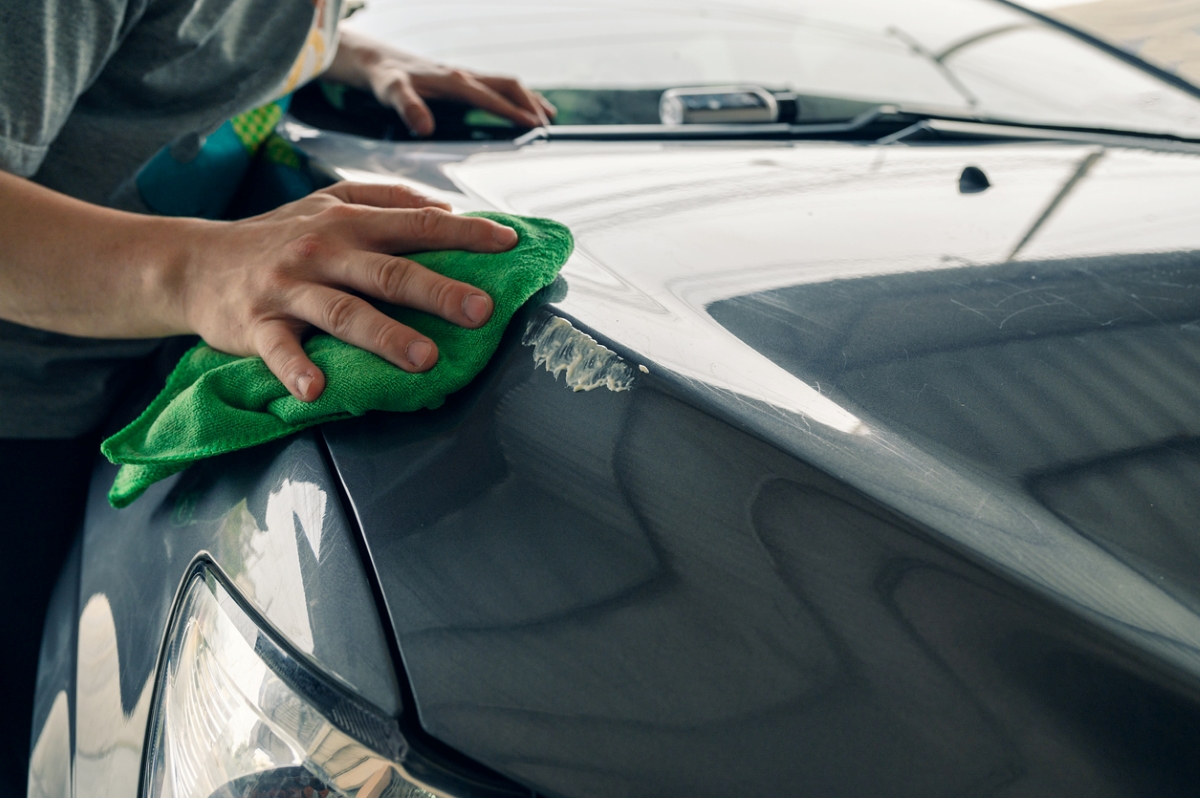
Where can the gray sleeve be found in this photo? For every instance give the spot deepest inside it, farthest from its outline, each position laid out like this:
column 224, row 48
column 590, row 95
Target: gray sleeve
column 50, row 52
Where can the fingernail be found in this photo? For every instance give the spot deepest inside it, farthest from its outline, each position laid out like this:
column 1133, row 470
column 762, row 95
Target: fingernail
column 302, row 383
column 505, row 236
column 418, row 353
column 477, row 308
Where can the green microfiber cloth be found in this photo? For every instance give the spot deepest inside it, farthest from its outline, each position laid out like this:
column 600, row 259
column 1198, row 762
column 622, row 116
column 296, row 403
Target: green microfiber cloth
column 215, row 403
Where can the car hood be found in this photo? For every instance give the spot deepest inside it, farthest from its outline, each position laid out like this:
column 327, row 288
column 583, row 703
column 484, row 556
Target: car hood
column 1011, row 371
column 665, row 232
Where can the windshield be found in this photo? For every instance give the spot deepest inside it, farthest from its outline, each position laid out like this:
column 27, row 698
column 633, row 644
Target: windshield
column 607, row 61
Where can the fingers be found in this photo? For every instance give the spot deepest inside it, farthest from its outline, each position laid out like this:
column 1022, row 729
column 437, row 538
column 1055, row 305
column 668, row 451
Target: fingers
column 404, row 282
column 278, row 343
column 386, row 230
column 354, row 321
column 515, row 91
column 383, row 195
column 549, row 107
column 342, row 245
column 473, row 90
column 412, row 109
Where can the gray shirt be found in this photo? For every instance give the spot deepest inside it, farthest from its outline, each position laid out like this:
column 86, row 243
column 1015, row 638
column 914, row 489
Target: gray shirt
column 90, row 91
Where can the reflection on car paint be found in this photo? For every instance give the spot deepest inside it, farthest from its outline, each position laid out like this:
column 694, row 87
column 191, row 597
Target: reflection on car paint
column 935, row 660
column 50, row 759
column 668, row 605
column 267, row 567
column 108, row 741
column 676, row 334
column 1081, row 170
column 688, row 226
column 273, row 501
column 665, row 231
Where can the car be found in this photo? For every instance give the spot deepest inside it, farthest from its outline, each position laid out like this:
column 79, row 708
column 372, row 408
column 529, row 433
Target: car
column 856, row 451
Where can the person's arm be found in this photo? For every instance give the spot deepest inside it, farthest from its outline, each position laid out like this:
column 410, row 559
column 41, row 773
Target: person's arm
column 249, row 287
column 404, row 81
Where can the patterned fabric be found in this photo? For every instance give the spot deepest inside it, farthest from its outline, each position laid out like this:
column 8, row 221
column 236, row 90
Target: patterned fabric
column 319, row 48
column 279, row 150
column 203, row 186
column 253, row 127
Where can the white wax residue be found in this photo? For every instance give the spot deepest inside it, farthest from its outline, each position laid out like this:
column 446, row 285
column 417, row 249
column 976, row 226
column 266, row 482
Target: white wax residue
column 585, row 363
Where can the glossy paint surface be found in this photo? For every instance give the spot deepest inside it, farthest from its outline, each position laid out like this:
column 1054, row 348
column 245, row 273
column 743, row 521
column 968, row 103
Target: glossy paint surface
column 271, row 519
column 52, row 745
column 906, row 478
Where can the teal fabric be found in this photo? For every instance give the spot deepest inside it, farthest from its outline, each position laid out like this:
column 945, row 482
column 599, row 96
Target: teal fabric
column 205, row 184
column 200, row 187
column 215, row 403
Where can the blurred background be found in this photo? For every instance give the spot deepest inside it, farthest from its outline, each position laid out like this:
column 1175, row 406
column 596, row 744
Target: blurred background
column 1165, row 32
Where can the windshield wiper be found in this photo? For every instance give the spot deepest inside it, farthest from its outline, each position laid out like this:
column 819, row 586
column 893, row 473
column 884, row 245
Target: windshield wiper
column 867, row 126
column 933, row 128
column 884, row 124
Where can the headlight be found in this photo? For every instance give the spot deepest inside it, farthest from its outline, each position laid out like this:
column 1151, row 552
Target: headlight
column 237, row 717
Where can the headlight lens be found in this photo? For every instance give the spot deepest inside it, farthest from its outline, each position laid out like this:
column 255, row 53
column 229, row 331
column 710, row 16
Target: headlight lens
column 237, row 717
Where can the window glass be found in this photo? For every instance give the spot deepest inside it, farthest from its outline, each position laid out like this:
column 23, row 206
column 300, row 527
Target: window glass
column 955, row 55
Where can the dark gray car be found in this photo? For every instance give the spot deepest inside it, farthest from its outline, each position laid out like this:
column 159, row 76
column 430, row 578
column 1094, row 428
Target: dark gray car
column 854, row 453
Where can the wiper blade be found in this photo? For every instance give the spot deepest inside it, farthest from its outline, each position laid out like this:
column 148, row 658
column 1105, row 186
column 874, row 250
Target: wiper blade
column 939, row 128
column 884, row 124
column 868, row 125
column 652, row 132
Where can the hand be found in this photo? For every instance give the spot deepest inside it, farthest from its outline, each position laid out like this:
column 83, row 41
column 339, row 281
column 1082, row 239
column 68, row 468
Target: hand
column 404, row 81
column 253, row 287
